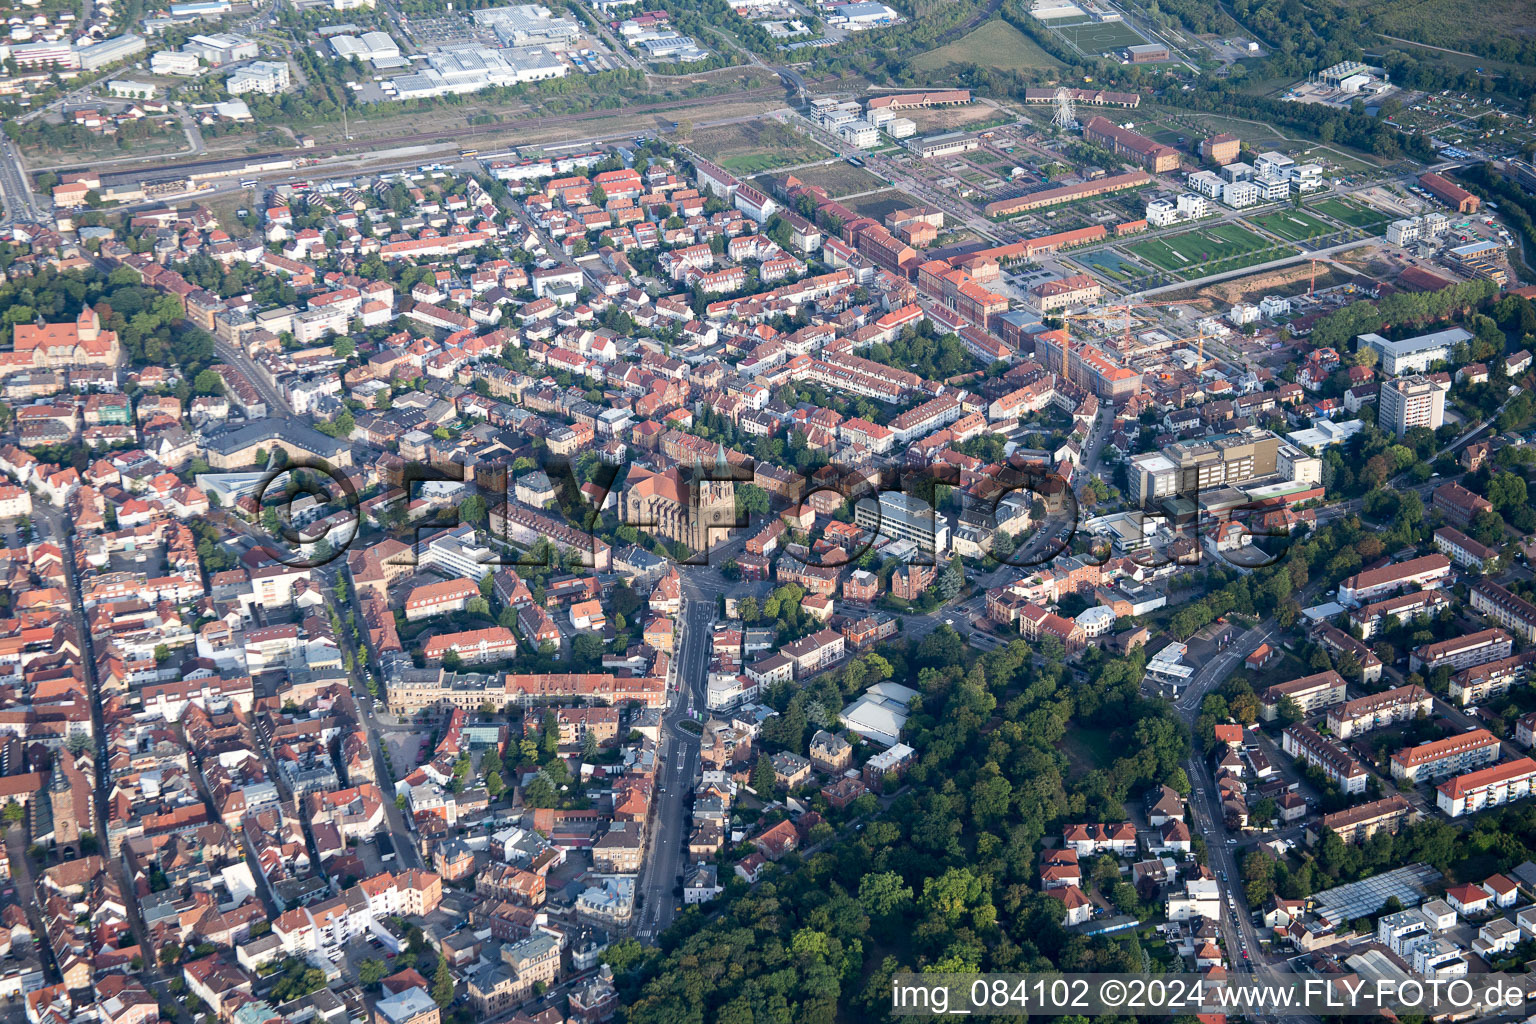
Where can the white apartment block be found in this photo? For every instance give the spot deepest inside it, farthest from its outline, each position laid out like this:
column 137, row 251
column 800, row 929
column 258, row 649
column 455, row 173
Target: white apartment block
column 1206, row 183
column 1401, row 704
column 1162, row 212
column 1305, row 744
column 1484, row 682
column 1462, row 652
column 1238, row 194
column 1500, row 784
column 267, row 77
column 1460, row 753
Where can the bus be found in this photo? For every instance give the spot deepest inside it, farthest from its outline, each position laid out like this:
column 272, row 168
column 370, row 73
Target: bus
column 249, row 183
column 468, row 154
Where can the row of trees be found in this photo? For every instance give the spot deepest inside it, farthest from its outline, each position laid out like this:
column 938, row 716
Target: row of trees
column 149, row 323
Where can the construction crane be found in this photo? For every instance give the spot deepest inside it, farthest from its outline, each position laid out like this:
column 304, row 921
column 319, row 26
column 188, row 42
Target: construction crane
column 1108, row 313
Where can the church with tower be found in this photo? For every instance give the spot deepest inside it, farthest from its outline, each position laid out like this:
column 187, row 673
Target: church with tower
column 694, row 509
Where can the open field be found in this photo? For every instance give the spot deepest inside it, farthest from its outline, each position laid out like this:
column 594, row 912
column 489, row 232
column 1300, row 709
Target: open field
column 1293, row 225
column 839, row 178
column 943, row 119
column 66, row 144
column 1087, row 749
column 996, row 44
column 1202, row 245
column 1096, row 37
column 1353, row 214
column 1212, row 250
column 1260, row 137
column 754, row 146
column 878, row 204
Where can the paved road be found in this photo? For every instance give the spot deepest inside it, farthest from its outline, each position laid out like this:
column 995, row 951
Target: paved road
column 277, row 405
column 677, row 766
column 20, row 208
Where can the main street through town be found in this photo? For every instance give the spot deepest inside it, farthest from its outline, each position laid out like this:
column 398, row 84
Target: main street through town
column 677, row 763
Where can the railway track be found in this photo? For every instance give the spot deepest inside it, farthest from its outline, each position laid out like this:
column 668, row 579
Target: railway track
column 443, row 135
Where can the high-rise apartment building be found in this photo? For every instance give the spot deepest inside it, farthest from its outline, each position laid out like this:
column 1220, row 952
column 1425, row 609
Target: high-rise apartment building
column 1408, row 402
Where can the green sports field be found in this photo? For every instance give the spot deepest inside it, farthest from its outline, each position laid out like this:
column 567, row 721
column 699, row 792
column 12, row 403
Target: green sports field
column 1218, row 248
column 1354, row 214
column 1096, row 37
column 1293, row 225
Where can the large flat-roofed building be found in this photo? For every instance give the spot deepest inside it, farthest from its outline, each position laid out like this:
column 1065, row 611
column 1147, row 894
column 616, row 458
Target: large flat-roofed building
column 1428, row 571
column 1147, row 53
column 1462, row 752
column 1401, row 704
column 1467, row 794
column 1310, row 693
column 1153, row 476
column 221, row 48
column 109, row 51
column 1357, row 824
column 1202, row 464
column 1462, row 651
column 948, row 144
column 1499, row 604
column 899, row 516
column 1305, row 744
column 1408, row 402
column 1154, row 156
column 1416, row 354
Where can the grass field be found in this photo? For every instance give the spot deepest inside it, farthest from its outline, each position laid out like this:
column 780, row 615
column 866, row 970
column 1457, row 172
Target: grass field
column 1293, row 225
column 1353, row 214
column 878, row 204
column 1088, row 750
column 1099, row 37
column 1212, row 250
column 839, row 179
column 755, row 146
column 996, row 44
